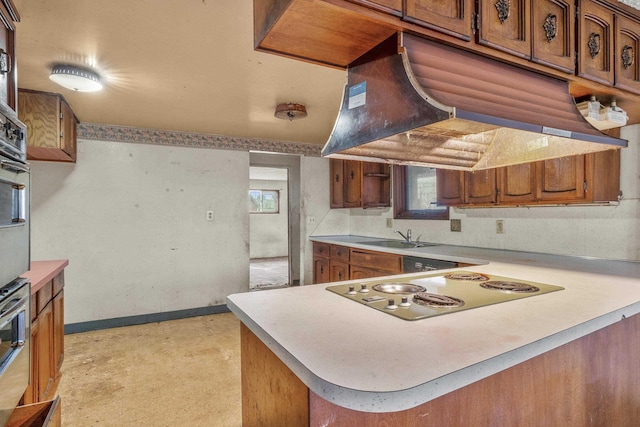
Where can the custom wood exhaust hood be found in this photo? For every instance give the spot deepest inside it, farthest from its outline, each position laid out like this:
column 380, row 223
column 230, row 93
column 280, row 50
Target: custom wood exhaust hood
column 429, row 104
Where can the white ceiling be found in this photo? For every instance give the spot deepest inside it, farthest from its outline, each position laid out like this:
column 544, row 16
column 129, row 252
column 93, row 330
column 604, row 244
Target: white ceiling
column 185, row 65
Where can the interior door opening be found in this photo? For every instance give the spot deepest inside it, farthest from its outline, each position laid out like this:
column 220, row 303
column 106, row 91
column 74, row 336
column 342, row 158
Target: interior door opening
column 269, row 237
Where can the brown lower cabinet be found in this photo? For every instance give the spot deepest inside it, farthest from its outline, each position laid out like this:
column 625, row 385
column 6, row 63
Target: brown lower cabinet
column 592, row 380
column 334, row 263
column 47, row 341
column 41, row 414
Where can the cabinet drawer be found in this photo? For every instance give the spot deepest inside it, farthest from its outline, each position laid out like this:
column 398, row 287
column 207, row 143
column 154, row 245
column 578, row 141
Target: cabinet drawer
column 43, row 296
column 340, row 253
column 321, row 249
column 380, row 261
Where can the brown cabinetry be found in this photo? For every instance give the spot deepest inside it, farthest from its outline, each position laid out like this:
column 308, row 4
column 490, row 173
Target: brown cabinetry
column 333, row 263
column 595, row 42
column 393, row 7
column 47, row 340
column 51, row 126
column 589, row 178
column 626, row 65
column 356, row 184
column 451, row 17
column 504, row 25
column 553, row 34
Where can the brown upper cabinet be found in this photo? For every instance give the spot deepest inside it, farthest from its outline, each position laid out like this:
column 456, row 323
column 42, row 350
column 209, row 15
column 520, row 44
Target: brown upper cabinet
column 446, row 16
column 589, row 178
column 595, row 42
column 357, row 184
column 591, row 43
column 504, row 25
column 8, row 79
column 51, row 126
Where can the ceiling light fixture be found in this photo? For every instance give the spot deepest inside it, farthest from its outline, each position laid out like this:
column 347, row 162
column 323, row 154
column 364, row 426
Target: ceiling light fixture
column 291, row 111
column 75, row 78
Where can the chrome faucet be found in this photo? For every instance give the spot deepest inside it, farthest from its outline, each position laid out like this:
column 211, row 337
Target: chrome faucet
column 407, row 238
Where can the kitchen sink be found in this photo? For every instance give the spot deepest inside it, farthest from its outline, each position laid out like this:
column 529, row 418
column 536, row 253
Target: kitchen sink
column 398, row 244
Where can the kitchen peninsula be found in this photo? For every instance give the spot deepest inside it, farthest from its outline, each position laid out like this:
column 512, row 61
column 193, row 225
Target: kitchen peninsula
column 570, row 357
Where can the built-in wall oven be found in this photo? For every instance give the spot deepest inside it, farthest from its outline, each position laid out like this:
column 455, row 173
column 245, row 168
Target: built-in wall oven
column 14, row 344
column 15, row 292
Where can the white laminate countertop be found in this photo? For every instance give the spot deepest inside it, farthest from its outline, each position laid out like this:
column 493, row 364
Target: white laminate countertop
column 363, row 359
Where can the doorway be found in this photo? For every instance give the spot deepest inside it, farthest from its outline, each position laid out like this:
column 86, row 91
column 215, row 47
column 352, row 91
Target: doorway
column 274, row 234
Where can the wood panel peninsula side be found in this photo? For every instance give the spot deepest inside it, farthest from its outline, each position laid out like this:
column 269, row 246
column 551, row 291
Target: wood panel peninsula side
column 572, row 357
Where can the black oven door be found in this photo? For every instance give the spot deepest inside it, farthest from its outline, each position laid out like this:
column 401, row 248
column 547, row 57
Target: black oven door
column 15, row 325
column 14, row 219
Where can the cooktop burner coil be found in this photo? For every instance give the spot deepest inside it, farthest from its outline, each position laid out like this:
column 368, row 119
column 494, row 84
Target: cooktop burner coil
column 467, row 276
column 435, row 300
column 398, row 288
column 519, row 287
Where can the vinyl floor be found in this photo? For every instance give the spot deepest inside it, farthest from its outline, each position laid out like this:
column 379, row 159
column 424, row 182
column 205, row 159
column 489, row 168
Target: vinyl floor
column 176, row 373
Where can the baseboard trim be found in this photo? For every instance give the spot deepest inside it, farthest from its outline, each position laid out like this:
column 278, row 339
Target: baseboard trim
column 141, row 319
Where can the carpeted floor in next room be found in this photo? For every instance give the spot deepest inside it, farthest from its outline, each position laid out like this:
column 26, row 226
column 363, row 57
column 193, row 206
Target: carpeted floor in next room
column 176, row 373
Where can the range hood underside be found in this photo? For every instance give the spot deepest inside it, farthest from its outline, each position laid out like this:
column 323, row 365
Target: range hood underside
column 437, row 106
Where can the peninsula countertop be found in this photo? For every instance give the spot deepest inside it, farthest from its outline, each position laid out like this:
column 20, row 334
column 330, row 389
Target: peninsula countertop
column 366, row 360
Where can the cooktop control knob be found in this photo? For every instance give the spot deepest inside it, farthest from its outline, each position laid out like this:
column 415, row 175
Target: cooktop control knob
column 352, row 290
column 391, row 305
column 405, row 302
column 363, row 289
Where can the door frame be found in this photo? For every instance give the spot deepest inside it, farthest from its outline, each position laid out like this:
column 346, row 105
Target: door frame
column 292, row 164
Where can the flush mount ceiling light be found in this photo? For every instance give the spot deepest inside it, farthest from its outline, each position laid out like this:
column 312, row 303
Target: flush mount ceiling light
column 75, row 78
column 291, row 111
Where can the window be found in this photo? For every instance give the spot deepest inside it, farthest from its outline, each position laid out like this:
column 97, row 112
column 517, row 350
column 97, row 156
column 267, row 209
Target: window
column 264, row 201
column 415, row 194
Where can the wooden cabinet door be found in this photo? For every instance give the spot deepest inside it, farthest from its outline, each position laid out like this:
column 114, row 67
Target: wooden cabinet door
column 627, row 67
column 67, row 130
column 517, row 184
column 358, row 272
column 595, row 42
column 450, row 187
column 480, row 186
column 393, row 7
column 561, row 179
column 602, row 174
column 391, row 263
column 452, row 17
column 58, row 332
column 321, row 270
column 552, row 34
column 336, row 190
column 44, row 343
column 353, row 184
column 339, row 271
column 504, row 25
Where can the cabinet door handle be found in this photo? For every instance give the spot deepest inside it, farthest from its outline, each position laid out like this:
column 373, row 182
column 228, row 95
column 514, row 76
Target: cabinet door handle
column 5, row 62
column 337, row 178
column 339, row 275
column 352, row 175
column 321, row 269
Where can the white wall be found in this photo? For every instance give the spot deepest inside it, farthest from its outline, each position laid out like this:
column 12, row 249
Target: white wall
column 269, row 234
column 131, row 220
column 599, row 231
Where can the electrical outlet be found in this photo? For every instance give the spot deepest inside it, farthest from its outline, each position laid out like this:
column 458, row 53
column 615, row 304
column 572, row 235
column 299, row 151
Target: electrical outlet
column 311, row 220
column 456, row 225
column 389, row 222
column 209, row 216
column 499, row 226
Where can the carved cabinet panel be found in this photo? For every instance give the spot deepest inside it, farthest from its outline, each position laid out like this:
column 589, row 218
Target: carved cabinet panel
column 627, row 70
column 517, row 184
column 450, row 187
column 451, row 17
column 480, row 186
column 553, row 32
column 561, row 179
column 595, row 42
column 504, row 25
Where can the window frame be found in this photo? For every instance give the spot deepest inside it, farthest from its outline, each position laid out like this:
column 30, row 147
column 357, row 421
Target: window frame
column 262, row 191
column 400, row 210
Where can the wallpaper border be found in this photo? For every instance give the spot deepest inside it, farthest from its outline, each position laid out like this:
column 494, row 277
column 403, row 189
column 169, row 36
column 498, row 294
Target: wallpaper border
column 99, row 132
